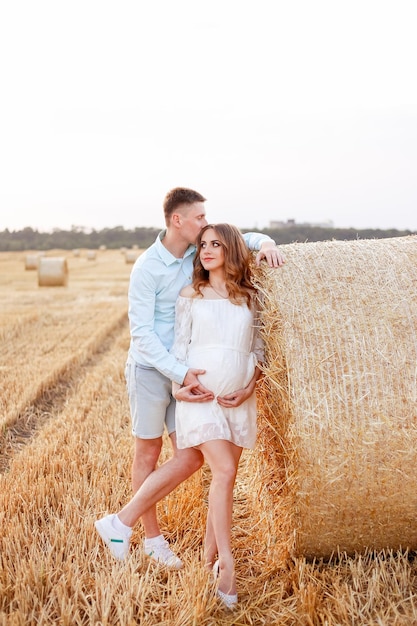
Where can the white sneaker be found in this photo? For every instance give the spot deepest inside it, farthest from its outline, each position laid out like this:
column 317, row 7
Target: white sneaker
column 117, row 543
column 162, row 554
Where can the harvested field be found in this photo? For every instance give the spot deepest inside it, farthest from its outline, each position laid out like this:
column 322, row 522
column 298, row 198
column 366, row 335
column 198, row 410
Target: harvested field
column 65, row 460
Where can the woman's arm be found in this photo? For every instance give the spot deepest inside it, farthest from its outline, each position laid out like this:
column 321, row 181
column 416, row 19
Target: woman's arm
column 240, row 395
column 191, row 390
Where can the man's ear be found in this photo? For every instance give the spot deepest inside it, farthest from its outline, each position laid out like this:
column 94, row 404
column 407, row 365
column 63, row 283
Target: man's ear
column 176, row 219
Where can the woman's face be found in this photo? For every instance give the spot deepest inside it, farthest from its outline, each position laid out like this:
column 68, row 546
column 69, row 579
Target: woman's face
column 211, row 250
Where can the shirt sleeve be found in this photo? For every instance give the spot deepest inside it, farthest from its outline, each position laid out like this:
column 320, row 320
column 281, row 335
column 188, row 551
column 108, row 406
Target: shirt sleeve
column 142, row 293
column 183, row 323
column 254, row 240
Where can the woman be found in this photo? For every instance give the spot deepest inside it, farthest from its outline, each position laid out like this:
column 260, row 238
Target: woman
column 216, row 330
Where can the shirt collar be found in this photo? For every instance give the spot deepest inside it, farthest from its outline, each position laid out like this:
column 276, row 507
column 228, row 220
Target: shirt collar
column 165, row 254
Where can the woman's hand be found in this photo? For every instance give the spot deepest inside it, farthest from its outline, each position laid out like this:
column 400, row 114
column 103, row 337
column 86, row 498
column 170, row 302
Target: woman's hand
column 234, row 399
column 237, row 398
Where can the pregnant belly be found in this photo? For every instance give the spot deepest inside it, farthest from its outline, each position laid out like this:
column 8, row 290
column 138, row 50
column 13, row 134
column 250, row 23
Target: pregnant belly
column 226, row 370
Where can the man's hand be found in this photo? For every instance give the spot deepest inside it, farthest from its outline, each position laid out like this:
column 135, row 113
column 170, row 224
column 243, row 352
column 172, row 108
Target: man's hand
column 271, row 254
column 192, row 390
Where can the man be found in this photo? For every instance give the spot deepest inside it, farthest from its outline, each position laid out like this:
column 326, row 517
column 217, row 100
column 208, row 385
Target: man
column 157, row 277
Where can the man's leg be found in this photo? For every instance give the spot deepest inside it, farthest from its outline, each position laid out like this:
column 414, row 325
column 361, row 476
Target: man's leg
column 116, row 530
column 151, row 403
column 158, row 484
column 161, row 482
column 145, row 458
column 152, row 408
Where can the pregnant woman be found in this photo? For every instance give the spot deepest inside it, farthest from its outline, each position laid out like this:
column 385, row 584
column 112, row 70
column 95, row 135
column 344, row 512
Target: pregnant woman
column 216, row 330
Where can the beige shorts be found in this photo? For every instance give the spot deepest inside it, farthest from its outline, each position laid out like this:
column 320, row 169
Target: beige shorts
column 152, row 407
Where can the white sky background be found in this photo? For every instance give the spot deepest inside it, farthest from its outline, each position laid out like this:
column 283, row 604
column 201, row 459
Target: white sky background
column 302, row 109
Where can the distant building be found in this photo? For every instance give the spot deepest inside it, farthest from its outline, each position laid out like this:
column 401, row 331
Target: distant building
column 276, row 224
column 291, row 223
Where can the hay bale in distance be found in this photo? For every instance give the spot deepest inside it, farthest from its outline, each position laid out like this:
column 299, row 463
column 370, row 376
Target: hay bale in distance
column 32, row 261
column 53, row 272
column 131, row 255
column 91, row 255
column 338, row 403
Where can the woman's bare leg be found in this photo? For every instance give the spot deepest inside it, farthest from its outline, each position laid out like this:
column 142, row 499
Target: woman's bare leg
column 210, row 545
column 223, row 458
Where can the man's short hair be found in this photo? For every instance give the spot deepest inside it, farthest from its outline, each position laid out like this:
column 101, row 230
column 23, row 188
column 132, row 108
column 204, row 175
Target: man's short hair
column 178, row 196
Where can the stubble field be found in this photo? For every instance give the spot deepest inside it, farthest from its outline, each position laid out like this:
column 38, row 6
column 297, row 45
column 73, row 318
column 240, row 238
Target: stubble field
column 65, row 454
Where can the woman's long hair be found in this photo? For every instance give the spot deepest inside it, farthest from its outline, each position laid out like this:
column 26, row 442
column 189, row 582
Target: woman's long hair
column 237, row 268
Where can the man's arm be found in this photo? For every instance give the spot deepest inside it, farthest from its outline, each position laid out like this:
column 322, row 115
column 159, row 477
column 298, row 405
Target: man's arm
column 142, row 293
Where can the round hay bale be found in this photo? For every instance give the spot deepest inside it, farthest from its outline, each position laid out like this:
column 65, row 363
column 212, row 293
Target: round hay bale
column 53, row 272
column 338, row 403
column 131, row 256
column 31, row 261
column 91, row 255
column 76, row 252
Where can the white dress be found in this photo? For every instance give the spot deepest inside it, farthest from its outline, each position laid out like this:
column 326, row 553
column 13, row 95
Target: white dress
column 221, row 338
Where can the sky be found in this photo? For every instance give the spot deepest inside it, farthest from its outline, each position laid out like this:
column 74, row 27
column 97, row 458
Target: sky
column 272, row 109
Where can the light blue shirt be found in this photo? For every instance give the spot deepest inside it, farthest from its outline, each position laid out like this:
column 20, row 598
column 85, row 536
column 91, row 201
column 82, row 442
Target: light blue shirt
column 155, row 282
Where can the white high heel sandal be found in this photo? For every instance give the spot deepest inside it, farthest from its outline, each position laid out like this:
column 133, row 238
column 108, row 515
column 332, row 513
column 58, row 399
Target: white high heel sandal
column 228, row 599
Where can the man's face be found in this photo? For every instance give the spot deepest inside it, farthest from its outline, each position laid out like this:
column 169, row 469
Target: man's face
column 193, row 219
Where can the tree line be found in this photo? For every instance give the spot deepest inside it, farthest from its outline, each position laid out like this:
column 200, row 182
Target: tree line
column 119, row 237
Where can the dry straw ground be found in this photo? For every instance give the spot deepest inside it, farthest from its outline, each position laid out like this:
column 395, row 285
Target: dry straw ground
column 65, row 459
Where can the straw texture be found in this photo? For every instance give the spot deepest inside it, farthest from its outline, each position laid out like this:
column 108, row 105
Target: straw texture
column 338, row 425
